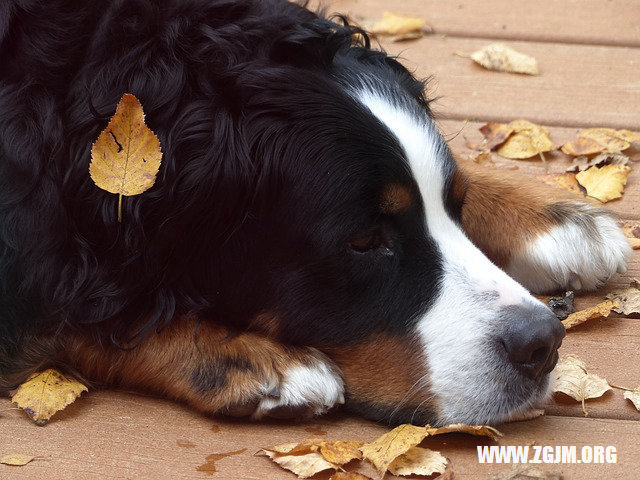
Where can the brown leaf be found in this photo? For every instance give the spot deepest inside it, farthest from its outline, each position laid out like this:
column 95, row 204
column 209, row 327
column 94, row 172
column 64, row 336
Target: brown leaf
column 302, row 464
column 604, row 183
column 341, row 452
column 496, row 133
column 597, row 140
column 578, row 164
column 45, row 393
column 419, row 461
column 16, row 459
column 126, row 157
column 396, row 25
column 600, row 310
column 477, row 430
column 501, row 58
column 627, row 300
column 573, row 379
column 526, row 472
column 348, row 476
column 634, row 396
column 528, row 140
column 386, row 448
column 564, row 180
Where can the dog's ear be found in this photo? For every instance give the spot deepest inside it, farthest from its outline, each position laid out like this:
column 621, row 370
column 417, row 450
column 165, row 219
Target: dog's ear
column 315, row 43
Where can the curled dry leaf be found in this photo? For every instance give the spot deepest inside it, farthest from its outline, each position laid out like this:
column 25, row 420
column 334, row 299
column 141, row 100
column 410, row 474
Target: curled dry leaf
column 528, row 140
column 597, row 140
column 501, row 58
column 573, row 379
column 604, row 183
column 566, row 181
column 634, row 396
column 496, row 134
column 627, row 300
column 304, row 465
column 401, row 27
column 600, row 310
column 126, row 157
column 16, row 459
column 419, row 461
column 477, row 430
column 45, row 393
column 578, row 164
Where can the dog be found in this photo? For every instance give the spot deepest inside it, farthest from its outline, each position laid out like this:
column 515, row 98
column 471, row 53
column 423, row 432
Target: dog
column 310, row 239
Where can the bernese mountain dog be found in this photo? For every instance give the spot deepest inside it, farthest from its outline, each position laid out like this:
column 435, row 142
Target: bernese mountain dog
column 310, row 239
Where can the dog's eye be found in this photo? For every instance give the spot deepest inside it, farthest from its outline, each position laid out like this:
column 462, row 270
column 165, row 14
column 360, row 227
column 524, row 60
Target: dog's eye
column 375, row 241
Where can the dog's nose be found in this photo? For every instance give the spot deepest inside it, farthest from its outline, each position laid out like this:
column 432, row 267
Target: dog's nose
column 531, row 339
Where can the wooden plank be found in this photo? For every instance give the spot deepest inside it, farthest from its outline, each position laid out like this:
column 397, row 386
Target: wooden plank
column 578, row 85
column 613, row 22
column 461, row 134
column 109, row 435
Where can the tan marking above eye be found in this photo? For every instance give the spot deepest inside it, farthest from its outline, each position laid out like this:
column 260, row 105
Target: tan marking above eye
column 396, row 198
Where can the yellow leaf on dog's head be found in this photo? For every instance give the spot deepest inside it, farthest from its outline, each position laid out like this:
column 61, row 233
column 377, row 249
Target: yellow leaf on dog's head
column 598, row 140
column 634, row 397
column 604, row 183
column 396, row 25
column 16, row 459
column 502, row 58
column 600, row 310
column 528, row 140
column 46, row 393
column 419, row 461
column 573, row 379
column 126, row 157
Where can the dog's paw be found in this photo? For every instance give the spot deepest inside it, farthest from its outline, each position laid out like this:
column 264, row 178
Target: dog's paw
column 300, row 387
column 581, row 252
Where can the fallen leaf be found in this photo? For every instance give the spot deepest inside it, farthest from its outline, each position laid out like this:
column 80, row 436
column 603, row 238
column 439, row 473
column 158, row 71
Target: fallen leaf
column 501, row 58
column 45, row 393
column 16, row 459
column 573, row 379
column 528, row 140
column 578, row 164
column 597, row 140
column 477, row 430
column 600, row 310
column 341, row 452
column 419, row 461
column 604, row 183
column 526, row 472
column 631, row 230
column 126, row 157
column 348, row 476
column 396, row 25
column 386, row 448
column 562, row 306
column 634, row 396
column 496, row 133
column 304, row 465
column 626, row 300
column 564, row 180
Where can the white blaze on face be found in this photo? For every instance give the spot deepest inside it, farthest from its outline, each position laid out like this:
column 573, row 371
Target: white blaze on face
column 459, row 328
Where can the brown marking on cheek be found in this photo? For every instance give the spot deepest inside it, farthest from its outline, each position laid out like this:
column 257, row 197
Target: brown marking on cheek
column 385, row 371
column 502, row 212
column 396, row 198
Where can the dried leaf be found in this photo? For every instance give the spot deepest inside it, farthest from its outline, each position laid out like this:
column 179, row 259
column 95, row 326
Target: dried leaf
column 45, row 393
column 348, row 476
column 396, row 25
column 578, row 164
column 16, row 459
column 564, row 180
column 604, row 183
column 477, row 430
column 419, row 461
column 341, row 452
column 600, row 310
column 496, row 133
column 501, row 58
column 573, row 379
column 304, row 465
column 634, row 396
column 631, row 230
column 526, row 472
column 597, row 140
column 562, row 306
column 386, row 448
column 126, row 157
column 528, row 140
column 626, row 300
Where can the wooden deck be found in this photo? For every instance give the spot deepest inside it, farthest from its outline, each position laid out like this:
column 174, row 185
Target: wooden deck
column 589, row 56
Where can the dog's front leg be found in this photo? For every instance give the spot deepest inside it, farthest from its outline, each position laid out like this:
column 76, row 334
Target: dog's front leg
column 540, row 237
column 216, row 371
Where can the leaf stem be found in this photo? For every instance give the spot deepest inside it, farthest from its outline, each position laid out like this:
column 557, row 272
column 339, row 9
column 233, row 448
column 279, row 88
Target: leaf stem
column 120, row 208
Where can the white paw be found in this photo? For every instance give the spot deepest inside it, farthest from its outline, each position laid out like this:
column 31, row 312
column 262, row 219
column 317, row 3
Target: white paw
column 581, row 253
column 304, row 390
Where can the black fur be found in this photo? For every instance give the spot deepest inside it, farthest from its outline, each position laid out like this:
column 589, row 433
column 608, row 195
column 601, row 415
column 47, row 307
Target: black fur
column 270, row 168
